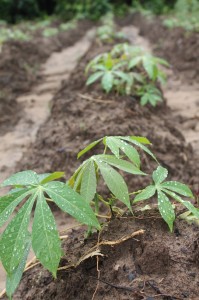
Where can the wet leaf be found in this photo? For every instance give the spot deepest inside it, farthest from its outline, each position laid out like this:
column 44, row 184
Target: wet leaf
column 115, row 183
column 89, row 147
column 166, row 209
column 159, row 175
column 145, row 194
column 22, row 178
column 88, row 182
column 9, row 202
column 187, row 204
column 15, row 237
column 45, row 239
column 13, row 280
column 178, row 187
column 119, row 163
column 71, row 202
column 51, row 177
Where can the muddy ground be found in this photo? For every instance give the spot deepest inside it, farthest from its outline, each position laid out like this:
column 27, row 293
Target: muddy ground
column 153, row 265
column 20, row 64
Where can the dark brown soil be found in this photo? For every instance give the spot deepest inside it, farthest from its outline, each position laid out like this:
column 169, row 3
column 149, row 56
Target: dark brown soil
column 155, row 265
column 19, row 65
column 78, row 118
column 179, row 47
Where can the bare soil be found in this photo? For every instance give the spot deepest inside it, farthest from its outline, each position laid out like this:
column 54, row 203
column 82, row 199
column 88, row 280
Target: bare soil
column 153, row 265
column 20, row 64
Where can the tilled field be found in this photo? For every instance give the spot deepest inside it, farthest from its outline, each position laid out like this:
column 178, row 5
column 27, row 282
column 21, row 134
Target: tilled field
column 153, row 264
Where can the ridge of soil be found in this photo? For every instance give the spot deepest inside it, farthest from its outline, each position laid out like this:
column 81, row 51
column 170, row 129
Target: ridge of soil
column 157, row 264
column 76, row 108
column 179, row 47
column 20, row 63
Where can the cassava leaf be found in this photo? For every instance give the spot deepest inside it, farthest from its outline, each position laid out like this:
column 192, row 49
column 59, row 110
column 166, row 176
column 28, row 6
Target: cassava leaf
column 137, row 143
column 187, row 204
column 94, row 77
column 115, row 183
column 9, row 202
column 148, row 66
column 107, row 81
column 88, row 182
column 178, row 187
column 115, row 144
column 51, row 177
column 145, row 194
column 159, row 175
column 166, row 209
column 140, row 139
column 14, row 238
column 122, row 75
column 134, row 62
column 119, row 163
column 89, row 147
column 45, row 239
column 71, row 202
column 13, row 280
column 112, row 144
column 22, row 178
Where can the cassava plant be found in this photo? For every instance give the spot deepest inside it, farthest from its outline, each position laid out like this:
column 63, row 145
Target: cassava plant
column 128, row 70
column 107, row 33
column 80, row 198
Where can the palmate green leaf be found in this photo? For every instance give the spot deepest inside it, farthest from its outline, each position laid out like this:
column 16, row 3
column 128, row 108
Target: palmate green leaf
column 122, row 75
column 112, row 143
column 140, row 139
column 107, row 81
column 150, row 98
column 118, row 163
column 129, row 84
column 22, row 178
column 77, row 180
column 134, row 62
column 9, row 202
column 139, row 144
column 13, row 280
column 178, row 187
column 14, row 238
column 187, row 204
column 88, row 182
column 161, row 61
column 71, row 202
column 162, row 78
column 73, row 178
column 51, row 177
column 115, row 144
column 89, row 147
column 159, row 175
column 145, row 194
column 166, row 209
column 94, row 77
column 144, row 99
column 45, row 239
column 115, row 183
column 148, row 65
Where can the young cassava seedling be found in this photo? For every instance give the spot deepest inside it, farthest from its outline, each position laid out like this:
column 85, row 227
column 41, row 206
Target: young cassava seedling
column 79, row 198
column 107, row 33
column 128, row 70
